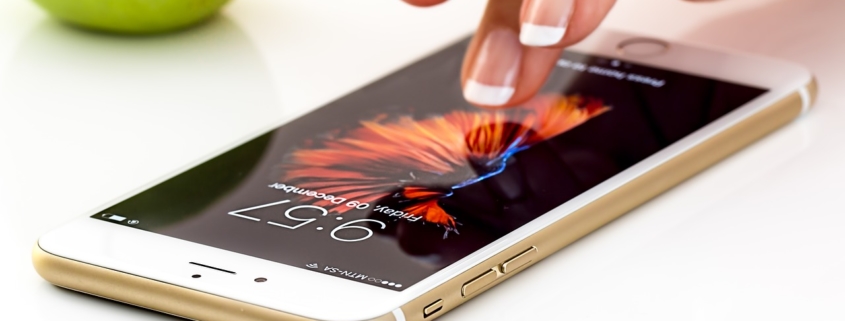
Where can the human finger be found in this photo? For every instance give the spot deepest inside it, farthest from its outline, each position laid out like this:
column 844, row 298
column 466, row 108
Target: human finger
column 498, row 70
column 560, row 23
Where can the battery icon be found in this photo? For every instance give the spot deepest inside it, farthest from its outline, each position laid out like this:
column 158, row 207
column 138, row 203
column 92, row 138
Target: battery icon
column 114, row 217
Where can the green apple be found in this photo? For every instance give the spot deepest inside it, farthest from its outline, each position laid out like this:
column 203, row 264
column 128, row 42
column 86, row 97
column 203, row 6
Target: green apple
column 132, row 16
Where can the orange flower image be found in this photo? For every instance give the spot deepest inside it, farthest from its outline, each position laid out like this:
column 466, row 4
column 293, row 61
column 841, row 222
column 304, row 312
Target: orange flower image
column 415, row 163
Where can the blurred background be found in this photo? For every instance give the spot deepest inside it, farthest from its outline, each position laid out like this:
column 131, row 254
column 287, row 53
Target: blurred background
column 86, row 117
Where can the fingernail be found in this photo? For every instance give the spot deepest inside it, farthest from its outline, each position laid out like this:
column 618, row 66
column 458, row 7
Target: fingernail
column 544, row 22
column 492, row 80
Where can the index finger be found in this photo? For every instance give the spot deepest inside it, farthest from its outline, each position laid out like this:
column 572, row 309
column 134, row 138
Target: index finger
column 560, row 23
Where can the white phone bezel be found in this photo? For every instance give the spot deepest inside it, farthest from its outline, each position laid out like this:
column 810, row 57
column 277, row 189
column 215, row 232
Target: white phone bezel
column 318, row 296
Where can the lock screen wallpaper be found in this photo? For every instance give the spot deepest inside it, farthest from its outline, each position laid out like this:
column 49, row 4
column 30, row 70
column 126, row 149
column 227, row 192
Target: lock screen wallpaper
column 399, row 179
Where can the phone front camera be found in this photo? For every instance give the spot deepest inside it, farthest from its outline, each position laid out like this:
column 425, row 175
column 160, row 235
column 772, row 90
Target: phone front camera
column 261, row 280
column 196, row 276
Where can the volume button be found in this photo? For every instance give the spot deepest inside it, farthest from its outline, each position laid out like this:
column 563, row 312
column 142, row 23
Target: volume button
column 478, row 283
column 519, row 260
column 433, row 308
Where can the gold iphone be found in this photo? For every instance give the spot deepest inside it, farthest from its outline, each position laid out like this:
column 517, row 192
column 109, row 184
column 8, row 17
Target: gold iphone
column 401, row 201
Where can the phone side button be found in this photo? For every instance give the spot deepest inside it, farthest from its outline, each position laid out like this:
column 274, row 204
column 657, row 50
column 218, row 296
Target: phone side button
column 478, row 283
column 433, row 308
column 519, row 260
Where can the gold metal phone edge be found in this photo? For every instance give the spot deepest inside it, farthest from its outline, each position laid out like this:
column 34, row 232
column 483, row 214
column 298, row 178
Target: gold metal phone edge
column 191, row 304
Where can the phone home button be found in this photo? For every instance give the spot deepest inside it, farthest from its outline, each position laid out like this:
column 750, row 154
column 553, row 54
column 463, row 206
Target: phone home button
column 642, row 47
column 478, row 283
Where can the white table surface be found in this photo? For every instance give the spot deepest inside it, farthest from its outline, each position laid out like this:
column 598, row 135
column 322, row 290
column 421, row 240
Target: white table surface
column 85, row 118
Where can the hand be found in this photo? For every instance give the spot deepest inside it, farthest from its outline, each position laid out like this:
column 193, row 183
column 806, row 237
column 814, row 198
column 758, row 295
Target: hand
column 518, row 44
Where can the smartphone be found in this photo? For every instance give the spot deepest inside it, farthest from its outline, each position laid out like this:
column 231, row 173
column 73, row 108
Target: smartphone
column 401, row 201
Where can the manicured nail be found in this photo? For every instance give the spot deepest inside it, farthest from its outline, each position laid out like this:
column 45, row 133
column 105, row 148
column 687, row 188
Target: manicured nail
column 544, row 22
column 492, row 80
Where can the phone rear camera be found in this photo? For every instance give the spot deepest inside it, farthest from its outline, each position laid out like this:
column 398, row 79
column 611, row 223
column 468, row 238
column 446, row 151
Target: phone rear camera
column 261, row 280
column 196, row 276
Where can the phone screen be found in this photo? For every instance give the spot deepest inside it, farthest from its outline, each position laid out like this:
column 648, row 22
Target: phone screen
column 403, row 177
